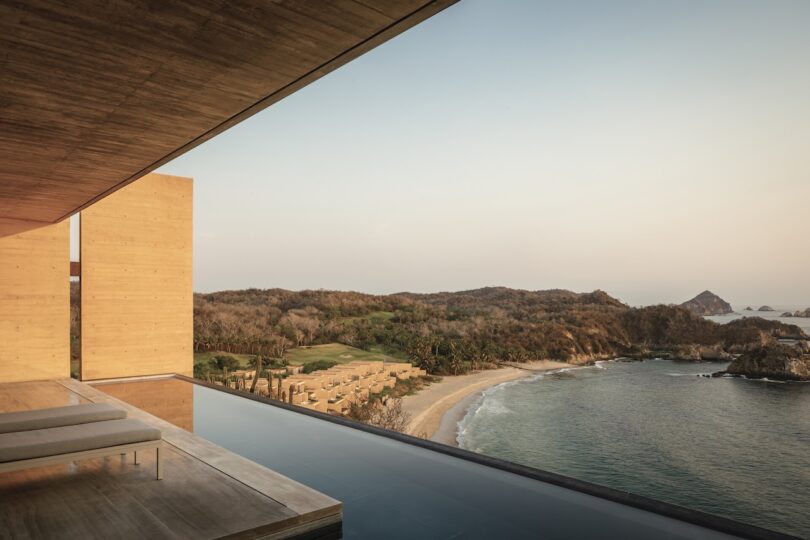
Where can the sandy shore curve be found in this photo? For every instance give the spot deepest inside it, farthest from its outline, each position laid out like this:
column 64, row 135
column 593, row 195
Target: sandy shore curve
column 436, row 410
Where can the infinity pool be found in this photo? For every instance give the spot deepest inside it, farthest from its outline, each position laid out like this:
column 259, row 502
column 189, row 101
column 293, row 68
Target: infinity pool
column 392, row 489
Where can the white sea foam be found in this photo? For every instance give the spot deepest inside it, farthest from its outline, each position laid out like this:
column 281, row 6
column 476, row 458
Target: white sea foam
column 766, row 380
column 487, row 401
column 493, row 406
column 464, row 424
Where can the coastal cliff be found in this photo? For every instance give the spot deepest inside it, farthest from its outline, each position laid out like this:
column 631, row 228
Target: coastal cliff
column 708, row 303
column 775, row 361
column 676, row 333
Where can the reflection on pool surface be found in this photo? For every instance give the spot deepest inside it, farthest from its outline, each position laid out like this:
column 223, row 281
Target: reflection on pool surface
column 170, row 399
column 391, row 489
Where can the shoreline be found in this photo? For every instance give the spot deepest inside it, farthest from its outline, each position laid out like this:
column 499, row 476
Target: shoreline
column 437, row 409
column 448, row 431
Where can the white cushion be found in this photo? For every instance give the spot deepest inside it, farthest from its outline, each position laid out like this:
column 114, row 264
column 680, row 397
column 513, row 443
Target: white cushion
column 67, row 439
column 59, row 416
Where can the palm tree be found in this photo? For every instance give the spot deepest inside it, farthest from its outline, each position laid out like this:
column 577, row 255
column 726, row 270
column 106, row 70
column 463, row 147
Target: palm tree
column 258, row 360
column 475, row 361
column 421, row 353
column 456, row 358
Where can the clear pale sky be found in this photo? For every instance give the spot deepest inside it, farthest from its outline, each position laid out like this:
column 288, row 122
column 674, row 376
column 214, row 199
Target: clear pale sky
column 652, row 149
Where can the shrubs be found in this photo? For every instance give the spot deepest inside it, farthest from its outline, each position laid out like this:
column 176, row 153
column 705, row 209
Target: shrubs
column 385, row 409
column 388, row 415
column 221, row 364
column 319, row 365
column 224, row 362
column 275, row 363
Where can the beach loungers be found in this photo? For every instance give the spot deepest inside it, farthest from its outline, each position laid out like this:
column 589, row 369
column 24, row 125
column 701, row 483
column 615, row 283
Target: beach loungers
column 65, row 434
column 59, row 416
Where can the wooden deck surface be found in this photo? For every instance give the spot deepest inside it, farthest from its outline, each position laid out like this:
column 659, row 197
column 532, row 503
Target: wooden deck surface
column 207, row 491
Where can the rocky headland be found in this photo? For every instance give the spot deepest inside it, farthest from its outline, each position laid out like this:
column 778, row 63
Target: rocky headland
column 708, row 303
column 797, row 313
column 675, row 333
column 774, row 362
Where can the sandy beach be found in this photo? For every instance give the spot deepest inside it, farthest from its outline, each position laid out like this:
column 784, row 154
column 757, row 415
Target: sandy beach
column 437, row 409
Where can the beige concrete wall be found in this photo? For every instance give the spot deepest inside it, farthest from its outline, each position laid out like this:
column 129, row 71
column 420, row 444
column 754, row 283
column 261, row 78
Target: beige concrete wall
column 137, row 302
column 35, row 304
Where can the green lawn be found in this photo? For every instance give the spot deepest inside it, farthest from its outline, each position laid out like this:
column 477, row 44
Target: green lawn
column 335, row 352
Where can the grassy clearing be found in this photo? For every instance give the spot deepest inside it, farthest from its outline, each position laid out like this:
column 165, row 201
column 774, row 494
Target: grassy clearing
column 335, row 352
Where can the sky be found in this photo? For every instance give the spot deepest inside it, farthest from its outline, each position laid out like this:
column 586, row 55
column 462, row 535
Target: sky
column 652, row 149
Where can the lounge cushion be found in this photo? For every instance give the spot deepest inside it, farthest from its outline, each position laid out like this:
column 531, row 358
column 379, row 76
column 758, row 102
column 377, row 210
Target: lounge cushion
column 64, row 440
column 59, row 416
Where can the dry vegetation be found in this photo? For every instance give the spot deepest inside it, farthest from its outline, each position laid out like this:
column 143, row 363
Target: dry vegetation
column 385, row 409
column 450, row 333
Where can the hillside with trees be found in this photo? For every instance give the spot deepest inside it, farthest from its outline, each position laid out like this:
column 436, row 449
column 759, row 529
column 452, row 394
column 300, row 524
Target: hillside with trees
column 450, row 333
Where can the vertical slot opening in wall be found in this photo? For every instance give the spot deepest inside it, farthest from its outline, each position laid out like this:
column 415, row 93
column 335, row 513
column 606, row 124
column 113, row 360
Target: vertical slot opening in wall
column 75, row 297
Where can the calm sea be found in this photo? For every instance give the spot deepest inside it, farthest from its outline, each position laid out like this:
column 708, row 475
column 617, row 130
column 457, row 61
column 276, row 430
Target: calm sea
column 801, row 322
column 732, row 447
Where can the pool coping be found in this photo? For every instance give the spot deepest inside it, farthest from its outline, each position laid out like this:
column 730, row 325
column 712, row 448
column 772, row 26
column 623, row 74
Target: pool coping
column 315, row 514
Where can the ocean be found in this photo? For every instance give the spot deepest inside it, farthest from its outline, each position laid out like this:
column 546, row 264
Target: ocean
column 775, row 315
column 728, row 446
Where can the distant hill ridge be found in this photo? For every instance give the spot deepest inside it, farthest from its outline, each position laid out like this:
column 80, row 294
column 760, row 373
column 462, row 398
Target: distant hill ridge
column 708, row 303
column 450, row 332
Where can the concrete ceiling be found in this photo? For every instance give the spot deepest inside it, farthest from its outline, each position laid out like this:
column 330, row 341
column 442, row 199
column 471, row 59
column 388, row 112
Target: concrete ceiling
column 95, row 94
